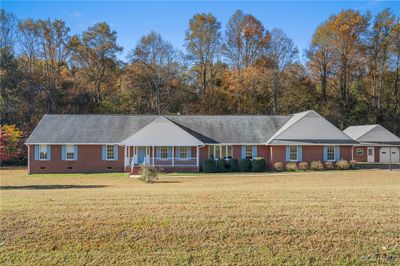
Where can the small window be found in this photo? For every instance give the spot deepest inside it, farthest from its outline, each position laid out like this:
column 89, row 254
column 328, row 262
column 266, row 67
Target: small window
column 42, row 152
column 217, row 151
column 110, row 152
column 249, row 152
column 293, row 153
column 69, row 149
column 183, row 154
column 331, row 153
column 164, row 152
column 359, row 151
column 229, row 152
column 370, row 152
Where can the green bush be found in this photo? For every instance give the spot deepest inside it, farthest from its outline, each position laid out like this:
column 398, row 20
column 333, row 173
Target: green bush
column 221, row 165
column 209, row 166
column 279, row 167
column 233, row 165
column 342, row 165
column 317, row 166
column 353, row 164
column 245, row 165
column 303, row 166
column 329, row 165
column 148, row 174
column 258, row 164
column 291, row 166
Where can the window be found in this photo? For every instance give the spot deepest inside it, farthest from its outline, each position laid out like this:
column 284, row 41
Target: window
column 293, row 153
column 110, row 152
column 370, row 152
column 359, row 151
column 223, row 151
column 217, row 153
column 69, row 149
column 331, row 153
column 229, row 152
column 164, row 152
column 42, row 152
column 183, row 154
column 249, row 152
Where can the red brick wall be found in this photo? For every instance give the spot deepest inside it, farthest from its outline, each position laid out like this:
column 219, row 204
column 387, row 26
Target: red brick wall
column 345, row 152
column 360, row 158
column 89, row 160
column 278, row 154
column 313, row 153
column 377, row 154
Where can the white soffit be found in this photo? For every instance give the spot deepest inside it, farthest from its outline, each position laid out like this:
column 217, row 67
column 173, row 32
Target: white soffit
column 379, row 134
column 162, row 132
column 309, row 125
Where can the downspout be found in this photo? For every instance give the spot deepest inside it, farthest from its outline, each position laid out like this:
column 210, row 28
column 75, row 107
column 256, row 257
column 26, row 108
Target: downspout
column 29, row 161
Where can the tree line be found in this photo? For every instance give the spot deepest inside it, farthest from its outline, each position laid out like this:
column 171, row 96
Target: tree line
column 350, row 73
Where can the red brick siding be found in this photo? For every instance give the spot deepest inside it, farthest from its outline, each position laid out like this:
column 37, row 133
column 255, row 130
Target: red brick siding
column 345, row 152
column 377, row 154
column 313, row 153
column 360, row 158
column 278, row 154
column 89, row 160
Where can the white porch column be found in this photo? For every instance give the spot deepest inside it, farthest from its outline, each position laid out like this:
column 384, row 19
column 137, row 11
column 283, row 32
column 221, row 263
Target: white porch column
column 153, row 154
column 173, row 155
column 197, row 156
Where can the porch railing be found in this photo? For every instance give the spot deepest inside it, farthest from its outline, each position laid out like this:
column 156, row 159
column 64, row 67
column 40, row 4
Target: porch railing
column 148, row 160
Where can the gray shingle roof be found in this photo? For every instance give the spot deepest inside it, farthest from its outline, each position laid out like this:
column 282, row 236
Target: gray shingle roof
column 79, row 129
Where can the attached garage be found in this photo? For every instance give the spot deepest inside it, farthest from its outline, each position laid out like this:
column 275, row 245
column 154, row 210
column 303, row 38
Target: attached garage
column 389, row 154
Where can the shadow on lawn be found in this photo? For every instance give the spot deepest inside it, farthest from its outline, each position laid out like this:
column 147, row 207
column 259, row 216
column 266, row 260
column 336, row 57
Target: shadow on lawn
column 39, row 187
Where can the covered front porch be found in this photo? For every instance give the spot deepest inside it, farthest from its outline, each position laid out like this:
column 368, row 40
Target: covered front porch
column 161, row 156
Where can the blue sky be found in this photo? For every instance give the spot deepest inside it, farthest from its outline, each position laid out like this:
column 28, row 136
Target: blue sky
column 131, row 19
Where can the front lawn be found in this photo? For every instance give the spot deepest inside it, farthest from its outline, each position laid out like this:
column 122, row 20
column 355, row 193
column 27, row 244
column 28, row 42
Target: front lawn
column 338, row 217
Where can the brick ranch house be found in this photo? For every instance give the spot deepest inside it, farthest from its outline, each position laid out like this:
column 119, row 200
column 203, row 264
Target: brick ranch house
column 104, row 143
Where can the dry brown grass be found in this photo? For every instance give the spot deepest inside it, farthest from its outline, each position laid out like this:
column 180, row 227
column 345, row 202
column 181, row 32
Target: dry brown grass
column 321, row 218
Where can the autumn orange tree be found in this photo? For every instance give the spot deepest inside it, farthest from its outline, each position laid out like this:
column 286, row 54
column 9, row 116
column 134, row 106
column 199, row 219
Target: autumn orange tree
column 11, row 143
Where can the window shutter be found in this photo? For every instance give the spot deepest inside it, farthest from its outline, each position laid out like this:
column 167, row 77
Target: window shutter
column 75, row 152
column 243, row 152
column 48, row 152
column 287, row 153
column 116, row 152
column 36, row 152
column 177, row 153
column 325, row 153
column 189, row 152
column 254, row 151
column 63, row 153
column 103, row 152
column 169, row 152
column 299, row 153
column 337, row 153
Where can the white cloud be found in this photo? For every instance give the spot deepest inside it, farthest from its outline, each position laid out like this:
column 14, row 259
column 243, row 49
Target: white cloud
column 75, row 14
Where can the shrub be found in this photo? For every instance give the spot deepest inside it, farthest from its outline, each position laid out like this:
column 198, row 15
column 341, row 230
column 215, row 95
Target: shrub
column 329, row 165
column 221, row 165
column 317, row 166
column 342, row 165
column 303, row 166
column 245, row 165
column 279, row 167
column 258, row 164
column 209, row 166
column 291, row 166
column 233, row 165
column 353, row 164
column 148, row 174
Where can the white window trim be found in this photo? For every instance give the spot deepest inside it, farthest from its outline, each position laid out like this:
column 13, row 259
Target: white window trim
column 297, row 153
column 113, row 159
column 187, row 153
column 327, row 153
column 220, row 151
column 162, row 158
column 66, row 152
column 360, row 149
column 47, row 154
column 251, row 151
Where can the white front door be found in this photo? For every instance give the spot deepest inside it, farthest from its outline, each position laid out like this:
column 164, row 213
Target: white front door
column 371, row 154
column 386, row 153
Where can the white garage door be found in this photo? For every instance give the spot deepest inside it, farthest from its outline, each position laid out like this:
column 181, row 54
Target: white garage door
column 384, row 156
